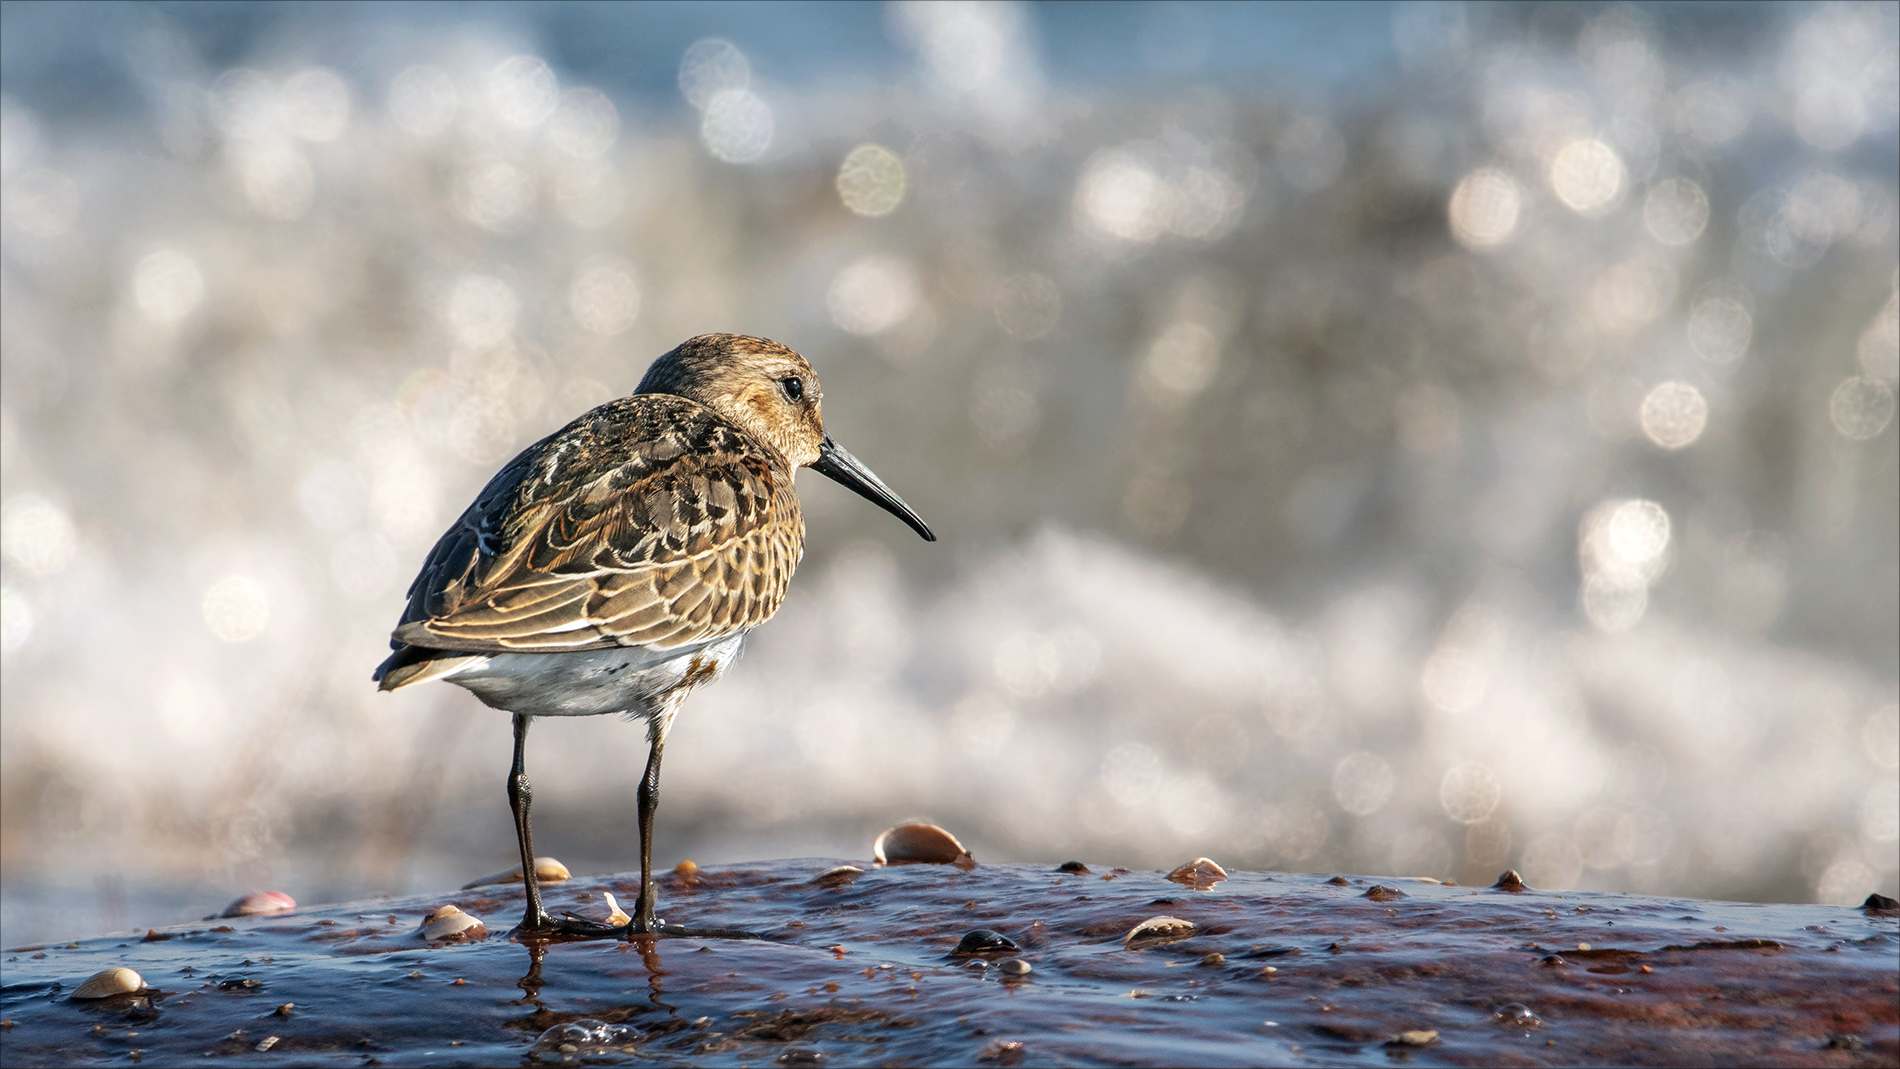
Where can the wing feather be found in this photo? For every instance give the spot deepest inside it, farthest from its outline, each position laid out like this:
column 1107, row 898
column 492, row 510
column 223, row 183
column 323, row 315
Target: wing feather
column 649, row 521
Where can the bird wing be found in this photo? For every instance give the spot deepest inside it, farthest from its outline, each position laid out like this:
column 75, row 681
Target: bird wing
column 649, row 521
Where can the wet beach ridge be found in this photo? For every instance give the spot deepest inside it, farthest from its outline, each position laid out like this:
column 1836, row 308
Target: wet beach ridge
column 922, row 955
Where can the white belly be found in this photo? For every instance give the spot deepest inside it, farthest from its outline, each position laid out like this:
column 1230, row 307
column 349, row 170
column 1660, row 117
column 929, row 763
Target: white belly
column 633, row 680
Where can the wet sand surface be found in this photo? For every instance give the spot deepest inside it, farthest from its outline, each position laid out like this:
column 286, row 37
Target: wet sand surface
column 864, row 970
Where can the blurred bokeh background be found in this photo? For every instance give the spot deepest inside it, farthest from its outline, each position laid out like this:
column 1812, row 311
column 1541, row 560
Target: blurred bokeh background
column 1409, row 439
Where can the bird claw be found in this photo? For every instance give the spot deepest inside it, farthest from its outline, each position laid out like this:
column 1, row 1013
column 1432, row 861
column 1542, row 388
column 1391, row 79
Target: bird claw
column 663, row 930
column 567, row 927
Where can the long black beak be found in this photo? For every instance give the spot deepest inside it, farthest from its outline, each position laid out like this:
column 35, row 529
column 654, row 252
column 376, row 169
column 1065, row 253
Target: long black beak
column 840, row 466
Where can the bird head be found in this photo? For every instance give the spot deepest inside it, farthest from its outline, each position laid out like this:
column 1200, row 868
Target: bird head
column 773, row 394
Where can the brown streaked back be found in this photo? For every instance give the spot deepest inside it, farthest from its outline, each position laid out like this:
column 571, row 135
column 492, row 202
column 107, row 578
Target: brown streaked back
column 651, row 520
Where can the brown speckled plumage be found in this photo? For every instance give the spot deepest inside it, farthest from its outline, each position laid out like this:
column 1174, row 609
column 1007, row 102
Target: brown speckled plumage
column 649, row 521
column 617, row 564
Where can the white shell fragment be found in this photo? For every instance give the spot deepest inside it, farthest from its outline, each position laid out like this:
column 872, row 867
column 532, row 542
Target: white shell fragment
column 448, row 924
column 1157, row 930
column 109, row 982
column 918, row 844
column 260, row 904
column 615, row 915
column 1200, row 874
column 546, row 870
column 1014, row 967
column 840, row 876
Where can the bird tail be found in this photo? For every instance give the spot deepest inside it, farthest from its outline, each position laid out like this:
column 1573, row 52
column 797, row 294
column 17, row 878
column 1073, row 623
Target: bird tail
column 419, row 664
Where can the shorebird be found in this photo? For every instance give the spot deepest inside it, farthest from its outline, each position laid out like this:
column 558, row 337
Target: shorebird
column 617, row 564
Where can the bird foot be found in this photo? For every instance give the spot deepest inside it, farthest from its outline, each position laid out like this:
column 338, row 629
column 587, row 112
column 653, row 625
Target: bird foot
column 659, row 929
column 564, row 929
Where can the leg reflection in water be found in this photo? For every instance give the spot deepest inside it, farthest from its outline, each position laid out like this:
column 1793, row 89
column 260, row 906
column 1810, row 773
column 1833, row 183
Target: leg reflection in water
column 532, row 982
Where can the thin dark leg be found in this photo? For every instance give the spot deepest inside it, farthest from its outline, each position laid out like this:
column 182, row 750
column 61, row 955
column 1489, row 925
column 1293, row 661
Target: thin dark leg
column 534, row 919
column 649, row 800
column 644, row 922
column 520, row 796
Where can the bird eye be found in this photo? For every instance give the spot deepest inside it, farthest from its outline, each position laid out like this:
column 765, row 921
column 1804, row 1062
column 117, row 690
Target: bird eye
column 794, row 388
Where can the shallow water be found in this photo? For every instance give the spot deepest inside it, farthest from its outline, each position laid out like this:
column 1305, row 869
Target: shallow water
column 863, row 972
column 1330, row 477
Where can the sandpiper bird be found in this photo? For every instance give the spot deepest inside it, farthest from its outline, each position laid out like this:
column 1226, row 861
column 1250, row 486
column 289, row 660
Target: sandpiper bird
column 618, row 563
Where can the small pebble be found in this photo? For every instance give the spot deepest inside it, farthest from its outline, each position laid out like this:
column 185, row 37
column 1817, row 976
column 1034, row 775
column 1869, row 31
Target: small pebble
column 1014, row 967
column 1416, row 1038
column 1381, row 893
column 1074, row 867
column 1510, row 881
column 108, row 982
column 1269, row 971
column 1214, row 960
column 985, row 941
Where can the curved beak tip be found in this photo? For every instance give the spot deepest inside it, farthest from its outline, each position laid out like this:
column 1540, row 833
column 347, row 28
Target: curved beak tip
column 837, row 464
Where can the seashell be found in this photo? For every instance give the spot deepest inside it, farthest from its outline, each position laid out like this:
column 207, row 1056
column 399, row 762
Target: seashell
column 1200, row 874
column 546, row 870
column 918, row 844
column 109, row 982
column 1421, row 1037
column 840, row 876
column 615, row 915
column 448, row 924
column 260, row 904
column 1014, row 967
column 1158, row 930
